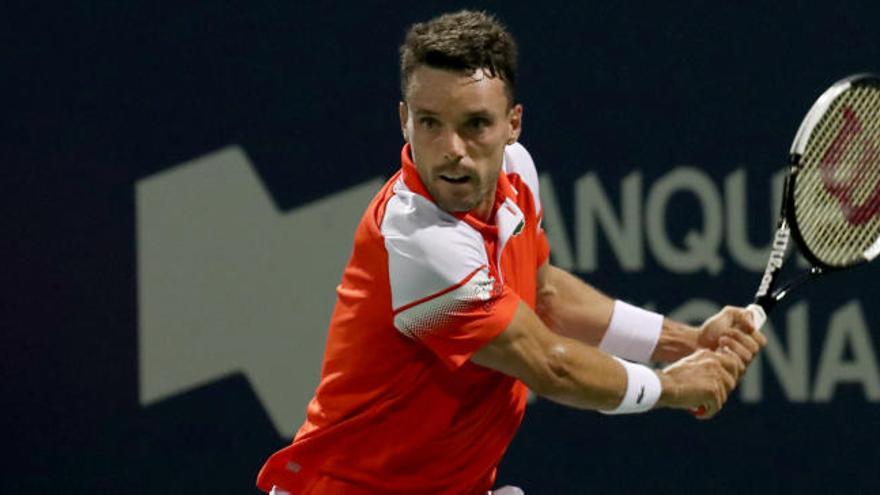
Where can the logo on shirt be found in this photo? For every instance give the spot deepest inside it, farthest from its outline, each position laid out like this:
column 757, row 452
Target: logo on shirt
column 519, row 227
column 483, row 286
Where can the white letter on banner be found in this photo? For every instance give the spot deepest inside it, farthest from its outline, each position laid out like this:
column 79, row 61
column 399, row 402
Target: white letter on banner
column 554, row 226
column 847, row 327
column 736, row 207
column 701, row 247
column 624, row 235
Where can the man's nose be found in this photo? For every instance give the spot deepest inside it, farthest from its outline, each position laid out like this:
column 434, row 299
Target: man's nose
column 454, row 146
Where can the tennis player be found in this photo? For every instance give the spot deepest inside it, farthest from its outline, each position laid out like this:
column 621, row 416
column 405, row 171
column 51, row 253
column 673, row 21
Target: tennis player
column 448, row 308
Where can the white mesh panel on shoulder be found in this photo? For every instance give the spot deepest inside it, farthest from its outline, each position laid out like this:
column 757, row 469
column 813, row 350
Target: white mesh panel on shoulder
column 439, row 312
column 429, row 250
column 517, row 160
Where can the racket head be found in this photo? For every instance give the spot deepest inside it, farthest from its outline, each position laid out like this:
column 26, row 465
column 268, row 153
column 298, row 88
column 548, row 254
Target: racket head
column 833, row 189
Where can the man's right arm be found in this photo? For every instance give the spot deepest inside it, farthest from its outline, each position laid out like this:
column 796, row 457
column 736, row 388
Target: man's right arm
column 578, row 375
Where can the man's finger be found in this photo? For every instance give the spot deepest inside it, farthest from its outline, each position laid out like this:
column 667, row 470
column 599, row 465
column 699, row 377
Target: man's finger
column 748, row 340
column 724, row 394
column 742, row 318
column 728, row 380
column 732, row 364
column 760, row 338
column 705, row 411
column 720, row 395
column 740, row 349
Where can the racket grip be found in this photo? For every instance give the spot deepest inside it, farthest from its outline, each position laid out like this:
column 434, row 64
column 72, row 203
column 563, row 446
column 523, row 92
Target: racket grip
column 759, row 316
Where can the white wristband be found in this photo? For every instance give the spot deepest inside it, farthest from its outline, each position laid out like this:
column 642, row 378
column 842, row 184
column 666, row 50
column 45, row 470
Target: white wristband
column 632, row 333
column 642, row 389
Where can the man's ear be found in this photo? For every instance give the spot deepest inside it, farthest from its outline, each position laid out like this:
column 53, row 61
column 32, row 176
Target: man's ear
column 403, row 113
column 515, row 123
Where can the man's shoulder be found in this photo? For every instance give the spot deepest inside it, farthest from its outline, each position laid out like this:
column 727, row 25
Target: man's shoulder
column 428, row 249
column 520, row 169
column 406, row 223
column 517, row 158
column 413, row 220
column 404, row 206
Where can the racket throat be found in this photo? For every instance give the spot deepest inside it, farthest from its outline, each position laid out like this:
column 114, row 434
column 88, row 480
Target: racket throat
column 774, row 264
column 768, row 301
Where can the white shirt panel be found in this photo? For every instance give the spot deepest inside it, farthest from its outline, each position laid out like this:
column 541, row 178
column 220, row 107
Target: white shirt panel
column 429, row 250
column 517, row 160
column 436, row 312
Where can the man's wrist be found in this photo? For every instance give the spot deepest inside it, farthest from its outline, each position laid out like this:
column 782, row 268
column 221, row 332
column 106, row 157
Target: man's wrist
column 668, row 390
column 676, row 341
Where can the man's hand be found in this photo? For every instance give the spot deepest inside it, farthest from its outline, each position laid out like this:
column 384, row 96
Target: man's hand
column 732, row 328
column 701, row 381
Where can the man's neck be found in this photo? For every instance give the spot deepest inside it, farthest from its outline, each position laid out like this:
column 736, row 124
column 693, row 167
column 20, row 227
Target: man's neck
column 486, row 208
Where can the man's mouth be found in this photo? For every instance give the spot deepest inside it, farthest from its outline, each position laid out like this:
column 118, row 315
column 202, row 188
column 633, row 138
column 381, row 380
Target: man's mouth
column 455, row 179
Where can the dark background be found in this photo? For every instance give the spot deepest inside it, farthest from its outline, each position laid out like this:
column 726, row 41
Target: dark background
column 97, row 95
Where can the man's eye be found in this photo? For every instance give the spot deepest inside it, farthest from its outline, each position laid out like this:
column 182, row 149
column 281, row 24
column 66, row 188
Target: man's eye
column 428, row 122
column 479, row 124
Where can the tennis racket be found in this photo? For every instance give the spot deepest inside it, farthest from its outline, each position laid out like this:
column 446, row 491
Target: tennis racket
column 831, row 196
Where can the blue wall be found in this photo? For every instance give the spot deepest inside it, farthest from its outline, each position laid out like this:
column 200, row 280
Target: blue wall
column 100, row 95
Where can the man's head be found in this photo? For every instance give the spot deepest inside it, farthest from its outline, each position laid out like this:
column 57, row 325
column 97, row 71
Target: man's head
column 458, row 74
column 464, row 42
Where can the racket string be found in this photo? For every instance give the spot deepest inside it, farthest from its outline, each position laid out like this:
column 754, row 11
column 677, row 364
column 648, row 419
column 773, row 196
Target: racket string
column 837, row 189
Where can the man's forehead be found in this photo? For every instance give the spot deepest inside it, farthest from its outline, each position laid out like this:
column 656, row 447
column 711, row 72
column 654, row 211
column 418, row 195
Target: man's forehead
column 476, row 111
column 478, row 90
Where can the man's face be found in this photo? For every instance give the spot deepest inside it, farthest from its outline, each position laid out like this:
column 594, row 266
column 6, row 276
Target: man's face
column 457, row 125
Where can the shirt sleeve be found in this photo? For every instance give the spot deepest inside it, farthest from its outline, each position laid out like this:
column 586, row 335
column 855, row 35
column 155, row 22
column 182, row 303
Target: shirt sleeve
column 442, row 290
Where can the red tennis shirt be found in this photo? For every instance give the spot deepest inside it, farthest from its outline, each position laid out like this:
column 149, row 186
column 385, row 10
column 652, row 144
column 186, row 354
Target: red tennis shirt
column 400, row 408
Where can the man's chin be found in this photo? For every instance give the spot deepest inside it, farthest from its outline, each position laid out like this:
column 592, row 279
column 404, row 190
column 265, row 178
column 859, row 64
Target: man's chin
column 456, row 206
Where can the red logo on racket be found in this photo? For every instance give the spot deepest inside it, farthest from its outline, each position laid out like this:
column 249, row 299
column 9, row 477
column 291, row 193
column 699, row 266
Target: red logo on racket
column 844, row 188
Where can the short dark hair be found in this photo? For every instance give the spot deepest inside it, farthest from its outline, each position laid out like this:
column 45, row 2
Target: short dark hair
column 460, row 41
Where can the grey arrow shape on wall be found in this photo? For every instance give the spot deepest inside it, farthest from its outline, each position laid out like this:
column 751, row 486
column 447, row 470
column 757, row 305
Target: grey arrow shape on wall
column 228, row 283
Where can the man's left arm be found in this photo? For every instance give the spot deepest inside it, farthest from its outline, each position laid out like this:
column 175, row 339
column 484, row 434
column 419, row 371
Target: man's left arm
column 573, row 308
